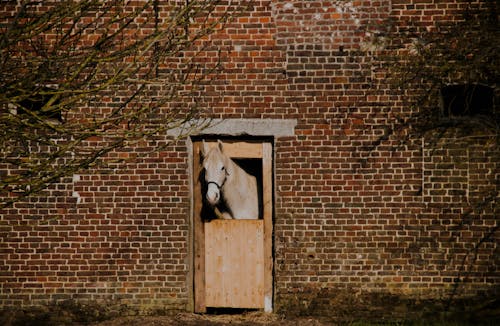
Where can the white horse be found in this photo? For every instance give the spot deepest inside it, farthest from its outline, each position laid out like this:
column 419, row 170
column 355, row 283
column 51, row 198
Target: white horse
column 224, row 178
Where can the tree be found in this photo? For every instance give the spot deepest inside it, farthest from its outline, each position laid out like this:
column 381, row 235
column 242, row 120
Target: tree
column 449, row 68
column 81, row 79
column 449, row 74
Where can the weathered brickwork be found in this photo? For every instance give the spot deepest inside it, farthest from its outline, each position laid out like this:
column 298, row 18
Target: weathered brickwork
column 103, row 236
column 363, row 216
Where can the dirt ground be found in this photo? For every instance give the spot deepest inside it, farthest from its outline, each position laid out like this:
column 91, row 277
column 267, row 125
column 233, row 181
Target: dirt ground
column 189, row 319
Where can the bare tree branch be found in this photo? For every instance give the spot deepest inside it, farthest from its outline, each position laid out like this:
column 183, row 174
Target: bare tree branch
column 81, row 79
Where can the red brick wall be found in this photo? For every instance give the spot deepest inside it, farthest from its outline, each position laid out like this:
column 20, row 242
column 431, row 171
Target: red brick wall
column 119, row 236
column 364, row 219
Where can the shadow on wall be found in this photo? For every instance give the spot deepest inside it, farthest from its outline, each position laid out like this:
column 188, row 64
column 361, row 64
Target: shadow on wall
column 347, row 305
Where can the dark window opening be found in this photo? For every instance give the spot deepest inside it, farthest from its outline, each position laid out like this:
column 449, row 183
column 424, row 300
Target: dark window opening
column 35, row 105
column 467, row 100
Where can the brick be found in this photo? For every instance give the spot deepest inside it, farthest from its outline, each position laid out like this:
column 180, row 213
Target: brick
column 356, row 215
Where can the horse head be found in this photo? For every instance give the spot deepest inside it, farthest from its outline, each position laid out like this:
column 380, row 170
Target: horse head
column 215, row 163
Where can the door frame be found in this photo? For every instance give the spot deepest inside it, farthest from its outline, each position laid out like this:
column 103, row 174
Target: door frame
column 235, row 148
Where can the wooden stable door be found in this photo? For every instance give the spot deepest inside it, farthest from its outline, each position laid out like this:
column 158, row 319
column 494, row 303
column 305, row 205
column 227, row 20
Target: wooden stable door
column 233, row 258
column 234, row 263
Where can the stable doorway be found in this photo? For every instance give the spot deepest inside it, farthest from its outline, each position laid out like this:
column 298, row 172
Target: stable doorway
column 233, row 258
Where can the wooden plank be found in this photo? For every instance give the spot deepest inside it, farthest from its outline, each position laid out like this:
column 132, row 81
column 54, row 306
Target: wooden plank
column 240, row 149
column 199, row 235
column 234, row 263
column 267, row 196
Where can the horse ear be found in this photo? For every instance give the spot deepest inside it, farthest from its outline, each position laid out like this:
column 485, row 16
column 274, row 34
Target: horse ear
column 221, row 146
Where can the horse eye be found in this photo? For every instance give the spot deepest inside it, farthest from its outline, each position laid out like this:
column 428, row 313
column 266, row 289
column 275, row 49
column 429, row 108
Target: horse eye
column 222, row 168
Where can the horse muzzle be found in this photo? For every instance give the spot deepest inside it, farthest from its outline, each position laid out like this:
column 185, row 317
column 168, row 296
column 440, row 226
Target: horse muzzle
column 213, row 193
